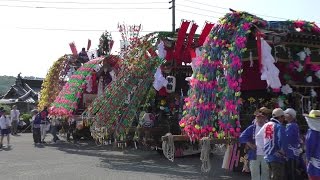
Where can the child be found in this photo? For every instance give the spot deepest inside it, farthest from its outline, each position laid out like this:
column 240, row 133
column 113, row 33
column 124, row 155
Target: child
column 5, row 128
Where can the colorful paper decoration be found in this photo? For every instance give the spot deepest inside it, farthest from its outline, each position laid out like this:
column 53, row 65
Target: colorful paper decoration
column 135, row 77
column 212, row 108
column 68, row 99
column 53, row 82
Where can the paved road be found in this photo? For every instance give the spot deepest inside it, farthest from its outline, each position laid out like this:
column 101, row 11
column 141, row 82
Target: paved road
column 84, row 161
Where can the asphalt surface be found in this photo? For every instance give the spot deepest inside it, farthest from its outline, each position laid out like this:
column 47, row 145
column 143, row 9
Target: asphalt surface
column 86, row 161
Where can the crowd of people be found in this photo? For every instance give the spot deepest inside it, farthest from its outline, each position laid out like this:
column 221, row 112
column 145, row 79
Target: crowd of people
column 39, row 123
column 275, row 147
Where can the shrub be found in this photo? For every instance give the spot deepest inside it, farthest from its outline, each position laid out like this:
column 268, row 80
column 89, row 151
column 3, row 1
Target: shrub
column 26, row 118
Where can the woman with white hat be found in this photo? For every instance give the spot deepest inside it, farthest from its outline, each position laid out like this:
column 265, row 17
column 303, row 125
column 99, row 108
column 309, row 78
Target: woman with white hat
column 313, row 145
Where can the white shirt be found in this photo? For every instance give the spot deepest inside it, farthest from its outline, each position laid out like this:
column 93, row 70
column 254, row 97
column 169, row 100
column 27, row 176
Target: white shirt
column 259, row 141
column 14, row 114
column 4, row 122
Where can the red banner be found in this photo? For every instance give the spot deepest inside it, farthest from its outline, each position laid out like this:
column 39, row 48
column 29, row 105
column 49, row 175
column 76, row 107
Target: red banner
column 205, row 32
column 73, row 49
column 89, row 44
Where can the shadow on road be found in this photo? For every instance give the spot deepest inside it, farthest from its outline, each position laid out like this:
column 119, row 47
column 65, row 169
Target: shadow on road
column 149, row 161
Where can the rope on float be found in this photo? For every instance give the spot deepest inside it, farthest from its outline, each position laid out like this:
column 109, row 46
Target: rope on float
column 205, row 154
column 168, row 147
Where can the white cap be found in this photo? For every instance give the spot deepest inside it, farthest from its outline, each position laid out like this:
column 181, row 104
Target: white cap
column 291, row 112
column 277, row 112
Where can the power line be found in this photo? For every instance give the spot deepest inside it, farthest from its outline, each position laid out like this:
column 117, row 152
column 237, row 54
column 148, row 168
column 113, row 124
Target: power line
column 80, row 8
column 197, row 13
column 64, row 29
column 228, row 9
column 207, row 5
column 74, row 2
column 200, row 9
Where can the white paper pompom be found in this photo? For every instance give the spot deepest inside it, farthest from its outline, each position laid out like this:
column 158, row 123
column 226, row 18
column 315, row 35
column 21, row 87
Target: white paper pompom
column 309, row 79
column 286, row 89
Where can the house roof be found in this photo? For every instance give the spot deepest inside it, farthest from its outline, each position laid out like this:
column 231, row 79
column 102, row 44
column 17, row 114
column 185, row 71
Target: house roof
column 25, row 90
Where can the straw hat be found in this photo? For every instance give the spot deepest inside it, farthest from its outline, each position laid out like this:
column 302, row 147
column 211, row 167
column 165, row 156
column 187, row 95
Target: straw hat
column 263, row 111
column 313, row 120
column 314, row 114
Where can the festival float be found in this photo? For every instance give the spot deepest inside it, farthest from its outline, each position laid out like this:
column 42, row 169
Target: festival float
column 152, row 75
column 200, row 87
column 73, row 82
column 245, row 63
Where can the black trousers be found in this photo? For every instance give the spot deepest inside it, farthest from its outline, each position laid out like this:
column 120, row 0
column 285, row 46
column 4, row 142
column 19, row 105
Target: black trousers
column 36, row 135
column 276, row 171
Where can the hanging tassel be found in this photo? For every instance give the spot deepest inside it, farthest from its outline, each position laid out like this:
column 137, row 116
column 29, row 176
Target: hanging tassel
column 251, row 60
column 205, row 154
column 168, row 147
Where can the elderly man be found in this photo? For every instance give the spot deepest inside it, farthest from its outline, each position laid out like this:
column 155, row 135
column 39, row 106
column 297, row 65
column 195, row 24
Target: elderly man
column 293, row 138
column 275, row 144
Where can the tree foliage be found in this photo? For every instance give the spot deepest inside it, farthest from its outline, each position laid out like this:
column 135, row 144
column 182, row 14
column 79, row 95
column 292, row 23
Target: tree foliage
column 5, row 83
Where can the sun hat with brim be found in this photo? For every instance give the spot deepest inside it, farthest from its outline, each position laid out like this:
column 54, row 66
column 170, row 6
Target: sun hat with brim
column 315, row 114
column 313, row 119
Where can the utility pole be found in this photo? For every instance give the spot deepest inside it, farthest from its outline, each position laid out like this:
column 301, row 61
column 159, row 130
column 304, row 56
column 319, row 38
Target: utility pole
column 173, row 7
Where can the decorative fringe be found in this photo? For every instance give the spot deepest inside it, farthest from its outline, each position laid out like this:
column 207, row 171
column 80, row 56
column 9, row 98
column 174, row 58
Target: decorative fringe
column 205, row 154
column 168, row 147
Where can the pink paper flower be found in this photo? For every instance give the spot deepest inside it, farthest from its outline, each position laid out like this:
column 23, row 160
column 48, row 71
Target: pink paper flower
column 240, row 42
column 299, row 24
column 246, row 26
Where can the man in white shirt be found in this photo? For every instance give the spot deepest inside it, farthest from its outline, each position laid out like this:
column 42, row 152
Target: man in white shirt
column 14, row 115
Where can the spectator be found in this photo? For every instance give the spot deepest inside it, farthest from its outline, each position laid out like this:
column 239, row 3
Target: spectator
column 5, row 128
column 72, row 123
column 14, row 115
column 83, row 56
column 273, row 137
column 258, row 166
column 313, row 145
column 293, row 138
column 36, row 120
column 44, row 123
column 54, row 129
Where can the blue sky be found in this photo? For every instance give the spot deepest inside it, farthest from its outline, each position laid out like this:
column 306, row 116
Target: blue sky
column 31, row 39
